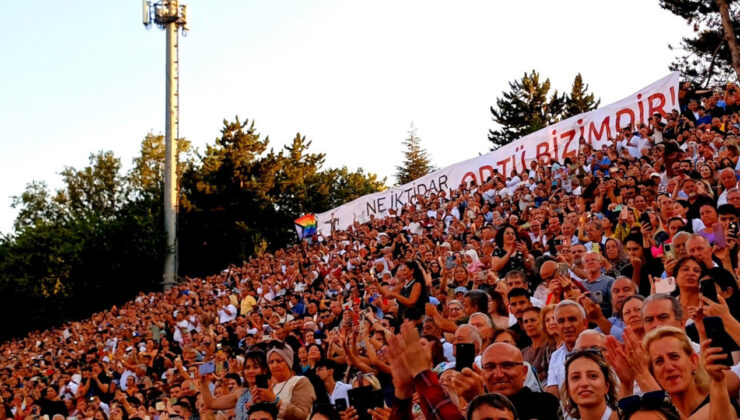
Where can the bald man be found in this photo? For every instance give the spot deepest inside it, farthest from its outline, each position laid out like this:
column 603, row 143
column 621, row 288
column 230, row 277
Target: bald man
column 548, row 270
column 504, row 373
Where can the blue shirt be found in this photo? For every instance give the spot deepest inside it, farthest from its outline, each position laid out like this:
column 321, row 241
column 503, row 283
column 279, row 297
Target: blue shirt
column 604, row 161
column 602, row 286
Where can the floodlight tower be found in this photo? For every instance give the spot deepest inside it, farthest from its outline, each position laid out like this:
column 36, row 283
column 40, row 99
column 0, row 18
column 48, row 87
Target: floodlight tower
column 170, row 16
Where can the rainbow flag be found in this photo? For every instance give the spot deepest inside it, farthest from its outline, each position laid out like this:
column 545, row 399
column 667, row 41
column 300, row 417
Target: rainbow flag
column 305, row 226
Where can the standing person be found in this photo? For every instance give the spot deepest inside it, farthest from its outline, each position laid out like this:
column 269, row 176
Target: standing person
column 539, row 352
column 590, row 388
column 510, row 254
column 327, row 370
column 504, row 372
column 598, row 284
column 681, row 373
column 294, row 395
column 550, row 326
column 410, row 293
column 571, row 320
column 255, row 364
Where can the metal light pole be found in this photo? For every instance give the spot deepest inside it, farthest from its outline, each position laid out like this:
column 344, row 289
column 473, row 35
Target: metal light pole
column 170, row 16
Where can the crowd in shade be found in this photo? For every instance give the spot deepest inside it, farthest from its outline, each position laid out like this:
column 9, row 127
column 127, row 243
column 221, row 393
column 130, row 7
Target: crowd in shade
column 601, row 287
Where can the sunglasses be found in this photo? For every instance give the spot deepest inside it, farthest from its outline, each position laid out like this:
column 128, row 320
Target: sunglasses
column 647, row 401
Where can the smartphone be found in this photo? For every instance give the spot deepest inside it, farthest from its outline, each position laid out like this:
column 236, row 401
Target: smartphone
column 733, row 229
column 207, row 367
column 261, row 382
column 464, row 356
column 617, row 207
column 666, row 285
column 159, row 406
column 340, row 404
column 558, row 242
column 596, row 297
column 716, row 331
column 669, row 250
column 645, row 220
column 364, row 398
column 720, row 239
column 563, row 269
column 707, row 289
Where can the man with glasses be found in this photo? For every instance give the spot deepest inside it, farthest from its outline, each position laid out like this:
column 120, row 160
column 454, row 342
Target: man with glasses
column 504, row 373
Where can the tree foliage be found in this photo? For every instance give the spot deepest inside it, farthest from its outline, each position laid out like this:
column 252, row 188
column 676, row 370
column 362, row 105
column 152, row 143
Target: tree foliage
column 416, row 161
column 243, row 196
column 705, row 58
column 99, row 239
column 528, row 106
column 579, row 100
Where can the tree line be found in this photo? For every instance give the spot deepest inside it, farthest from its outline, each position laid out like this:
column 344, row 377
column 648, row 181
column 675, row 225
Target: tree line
column 99, row 239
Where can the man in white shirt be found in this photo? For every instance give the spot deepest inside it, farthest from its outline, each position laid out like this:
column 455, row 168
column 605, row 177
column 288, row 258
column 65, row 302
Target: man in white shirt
column 571, row 319
column 327, row 370
column 227, row 311
column 728, row 181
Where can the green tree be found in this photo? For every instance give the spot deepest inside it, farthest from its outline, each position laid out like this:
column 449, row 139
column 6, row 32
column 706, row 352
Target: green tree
column 710, row 56
column 416, row 162
column 96, row 189
column 579, row 100
column 147, row 175
column 524, row 109
column 80, row 249
column 242, row 196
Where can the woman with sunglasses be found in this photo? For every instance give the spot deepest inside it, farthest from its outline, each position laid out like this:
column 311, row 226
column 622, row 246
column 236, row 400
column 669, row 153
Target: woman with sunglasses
column 589, row 390
column 255, row 364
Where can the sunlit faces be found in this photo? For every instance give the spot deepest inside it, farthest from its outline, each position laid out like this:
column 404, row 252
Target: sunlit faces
column 632, row 314
column 586, row 384
column 570, row 322
column 503, row 369
column 672, row 364
column 659, row 313
column 687, row 276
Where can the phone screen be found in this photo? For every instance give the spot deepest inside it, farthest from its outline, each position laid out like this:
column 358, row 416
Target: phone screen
column 464, row 356
column 707, row 289
column 716, row 332
column 207, row 367
column 261, row 382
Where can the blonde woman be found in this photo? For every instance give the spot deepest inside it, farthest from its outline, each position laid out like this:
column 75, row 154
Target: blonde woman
column 590, row 387
column 696, row 386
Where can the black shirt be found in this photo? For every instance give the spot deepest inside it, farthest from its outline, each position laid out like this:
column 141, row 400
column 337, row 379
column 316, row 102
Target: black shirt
column 535, row 405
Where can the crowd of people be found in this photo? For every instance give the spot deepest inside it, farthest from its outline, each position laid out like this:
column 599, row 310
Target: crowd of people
column 602, row 287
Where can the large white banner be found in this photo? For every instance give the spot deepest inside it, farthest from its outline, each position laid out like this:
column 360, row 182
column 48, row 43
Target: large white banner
column 557, row 141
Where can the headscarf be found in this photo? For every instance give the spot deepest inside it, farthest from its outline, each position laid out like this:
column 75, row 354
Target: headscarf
column 286, row 353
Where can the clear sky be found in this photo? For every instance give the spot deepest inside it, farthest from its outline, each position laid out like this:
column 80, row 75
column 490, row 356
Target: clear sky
column 82, row 76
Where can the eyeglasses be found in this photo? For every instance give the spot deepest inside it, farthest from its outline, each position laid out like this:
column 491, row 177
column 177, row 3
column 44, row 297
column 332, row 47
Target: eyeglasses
column 505, row 366
column 454, row 308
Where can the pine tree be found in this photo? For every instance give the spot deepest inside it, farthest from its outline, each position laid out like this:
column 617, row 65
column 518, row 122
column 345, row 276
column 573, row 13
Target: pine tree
column 579, row 100
column 524, row 109
column 416, row 162
column 712, row 55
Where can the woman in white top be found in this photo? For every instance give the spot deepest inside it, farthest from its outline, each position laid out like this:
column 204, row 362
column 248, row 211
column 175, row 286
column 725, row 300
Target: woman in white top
column 589, row 391
column 294, row 395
